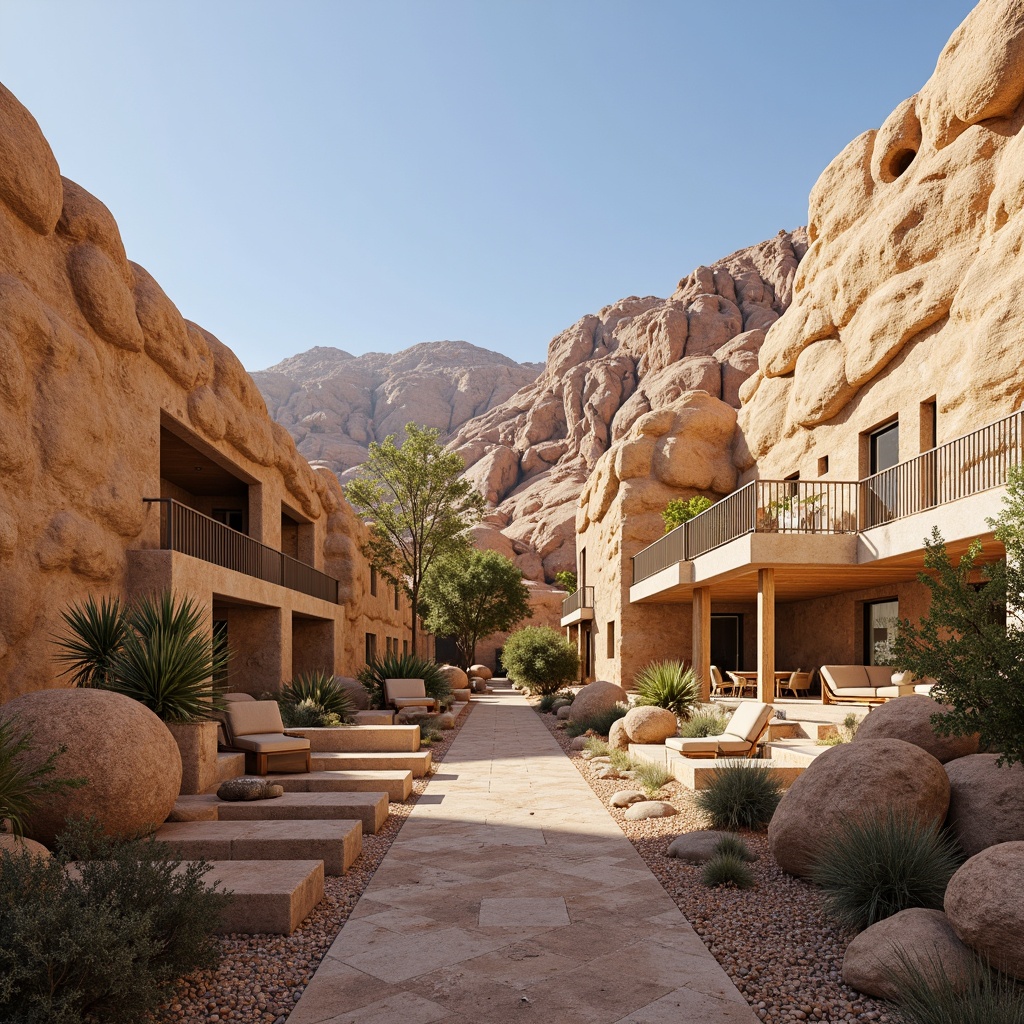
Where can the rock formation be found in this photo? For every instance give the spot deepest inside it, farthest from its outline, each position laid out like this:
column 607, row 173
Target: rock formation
column 334, row 404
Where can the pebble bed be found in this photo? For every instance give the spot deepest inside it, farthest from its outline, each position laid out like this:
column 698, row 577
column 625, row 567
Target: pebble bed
column 261, row 977
column 773, row 941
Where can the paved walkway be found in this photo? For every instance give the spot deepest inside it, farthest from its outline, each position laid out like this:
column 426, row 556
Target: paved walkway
column 510, row 894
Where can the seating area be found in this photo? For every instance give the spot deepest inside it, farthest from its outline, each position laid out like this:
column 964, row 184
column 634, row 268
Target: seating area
column 840, row 684
column 747, row 724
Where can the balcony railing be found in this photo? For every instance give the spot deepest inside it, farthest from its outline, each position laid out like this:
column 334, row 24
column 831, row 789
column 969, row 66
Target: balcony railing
column 192, row 533
column 582, row 598
column 962, row 467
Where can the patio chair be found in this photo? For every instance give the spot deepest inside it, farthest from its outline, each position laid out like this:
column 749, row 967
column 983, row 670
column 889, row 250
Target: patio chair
column 408, row 693
column 799, row 682
column 255, row 727
column 741, row 684
column 744, row 730
column 719, row 687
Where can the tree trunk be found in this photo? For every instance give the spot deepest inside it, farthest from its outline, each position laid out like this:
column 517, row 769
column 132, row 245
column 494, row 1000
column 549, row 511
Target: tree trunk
column 415, row 611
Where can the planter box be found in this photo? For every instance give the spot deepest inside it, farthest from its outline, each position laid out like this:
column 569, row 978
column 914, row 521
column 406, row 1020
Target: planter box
column 197, row 742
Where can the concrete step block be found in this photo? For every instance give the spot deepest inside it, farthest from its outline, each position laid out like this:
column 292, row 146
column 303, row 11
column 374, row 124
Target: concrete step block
column 397, row 784
column 230, row 765
column 272, row 897
column 369, row 808
column 418, row 763
column 336, row 843
column 201, row 807
column 697, row 772
column 783, row 730
column 361, row 739
column 795, row 753
column 657, row 753
column 374, row 718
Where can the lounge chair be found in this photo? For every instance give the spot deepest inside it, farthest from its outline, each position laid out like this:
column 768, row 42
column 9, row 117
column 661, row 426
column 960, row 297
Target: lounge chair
column 747, row 724
column 408, row 693
column 799, row 682
column 255, row 726
column 862, row 684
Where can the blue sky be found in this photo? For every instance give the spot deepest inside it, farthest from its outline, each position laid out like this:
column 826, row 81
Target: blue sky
column 375, row 174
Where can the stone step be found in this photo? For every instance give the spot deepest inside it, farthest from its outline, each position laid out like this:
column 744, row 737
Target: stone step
column 336, row 843
column 397, row 784
column 230, row 764
column 369, row 808
column 361, row 739
column 697, row 772
column 418, row 763
column 374, row 718
column 779, row 729
column 657, row 753
column 272, row 897
column 793, row 753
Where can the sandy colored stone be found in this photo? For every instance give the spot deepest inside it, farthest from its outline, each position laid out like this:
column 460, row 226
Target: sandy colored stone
column 618, row 738
column 15, row 845
column 625, row 797
column 699, row 847
column 650, row 725
column 126, row 754
column 480, row 671
column 985, row 905
column 924, row 937
column 596, row 697
column 650, row 809
column 849, row 781
column 986, row 802
column 455, row 677
column 909, row 718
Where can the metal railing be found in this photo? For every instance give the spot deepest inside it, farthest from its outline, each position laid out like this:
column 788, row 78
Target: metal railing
column 582, row 598
column 190, row 532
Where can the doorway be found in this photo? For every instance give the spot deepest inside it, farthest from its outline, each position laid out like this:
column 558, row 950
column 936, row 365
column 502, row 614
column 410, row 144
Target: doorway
column 727, row 642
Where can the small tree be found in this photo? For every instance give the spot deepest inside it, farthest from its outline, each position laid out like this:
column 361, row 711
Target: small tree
column 472, row 594
column 419, row 507
column 567, row 580
column 541, row 659
column 682, row 510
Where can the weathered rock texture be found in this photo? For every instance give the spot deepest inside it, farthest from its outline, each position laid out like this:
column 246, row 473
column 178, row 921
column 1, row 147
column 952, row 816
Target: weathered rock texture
column 596, row 698
column 334, row 404
column 986, row 802
column 910, row 718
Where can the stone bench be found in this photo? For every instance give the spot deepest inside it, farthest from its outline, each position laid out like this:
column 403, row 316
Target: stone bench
column 371, row 809
column 418, row 762
column 272, row 896
column 397, row 784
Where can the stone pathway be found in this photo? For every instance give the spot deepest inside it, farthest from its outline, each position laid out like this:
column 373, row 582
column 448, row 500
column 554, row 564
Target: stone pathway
column 510, row 894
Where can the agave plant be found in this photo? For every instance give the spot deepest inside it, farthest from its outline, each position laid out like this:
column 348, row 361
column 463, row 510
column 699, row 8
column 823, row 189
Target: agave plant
column 94, row 638
column 404, row 666
column 669, row 685
column 316, row 690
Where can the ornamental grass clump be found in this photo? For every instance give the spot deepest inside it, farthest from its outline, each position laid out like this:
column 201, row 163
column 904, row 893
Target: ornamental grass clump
column 740, row 794
column 706, row 721
column 844, row 733
column 734, row 846
column 652, row 777
column 621, row 761
column 314, row 699
column 877, row 865
column 597, row 747
column 600, row 722
column 727, row 869
column 670, row 685
column 546, row 702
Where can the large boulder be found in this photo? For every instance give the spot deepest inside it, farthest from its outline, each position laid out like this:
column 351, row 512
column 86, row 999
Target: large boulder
column 15, row 845
column 986, row 802
column 457, row 679
column 596, row 697
column 124, row 752
column 650, row 725
column 355, row 689
column 924, row 938
column 849, row 781
column 909, row 718
column 985, row 905
column 480, row 671
column 618, row 738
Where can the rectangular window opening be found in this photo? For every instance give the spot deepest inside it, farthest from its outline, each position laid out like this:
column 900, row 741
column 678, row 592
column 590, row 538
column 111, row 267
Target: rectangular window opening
column 880, row 621
column 373, row 582
column 611, row 640
column 371, row 647
column 823, row 466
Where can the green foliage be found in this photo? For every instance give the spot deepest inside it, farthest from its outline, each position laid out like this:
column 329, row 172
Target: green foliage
column 307, row 714
column 21, row 786
column 597, row 747
column 740, row 794
column 95, row 633
column 419, row 507
column 669, row 685
column 600, row 722
column 734, row 846
column 876, row 866
column 546, row 702
column 405, row 666
column 469, row 595
column 727, row 869
column 705, row 721
column 315, row 695
column 682, row 510
column 844, row 733
column 540, row 659
column 621, row 761
column 652, row 777
column 567, row 581
column 107, row 941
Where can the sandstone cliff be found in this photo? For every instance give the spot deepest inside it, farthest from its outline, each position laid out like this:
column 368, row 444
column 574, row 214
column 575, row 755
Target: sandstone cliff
column 334, row 404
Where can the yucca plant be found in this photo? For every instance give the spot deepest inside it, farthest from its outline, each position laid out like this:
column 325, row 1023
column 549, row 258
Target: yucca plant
column 316, row 690
column 95, row 634
column 706, row 721
column 740, row 794
column 670, row 685
column 877, row 865
column 404, row 666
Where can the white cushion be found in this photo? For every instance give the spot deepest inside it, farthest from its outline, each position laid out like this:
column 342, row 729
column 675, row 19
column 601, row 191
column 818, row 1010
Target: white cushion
column 693, row 744
column 747, row 720
column 843, row 677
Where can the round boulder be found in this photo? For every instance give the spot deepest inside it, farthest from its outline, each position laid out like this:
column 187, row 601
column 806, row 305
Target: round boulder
column 924, row 937
column 560, row 703
column 455, row 677
column 849, row 781
column 596, row 697
column 355, row 689
column 625, row 797
column 650, row 809
column 480, row 671
column 986, row 802
column 985, row 905
column 700, row 847
column 650, row 725
column 127, row 756
column 16, row 844
column 562, row 714
column 618, row 738
column 578, row 743
column 909, row 718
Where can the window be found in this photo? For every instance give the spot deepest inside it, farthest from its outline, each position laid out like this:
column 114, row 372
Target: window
column 929, row 425
column 582, row 581
column 884, row 447
column 233, row 517
column 373, row 582
column 611, row 640
column 405, row 646
column 883, row 498
column 371, row 647
column 880, row 622
column 396, row 601
column 823, row 466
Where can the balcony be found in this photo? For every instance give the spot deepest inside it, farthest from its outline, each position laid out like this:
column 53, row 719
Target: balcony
column 578, row 607
column 189, row 532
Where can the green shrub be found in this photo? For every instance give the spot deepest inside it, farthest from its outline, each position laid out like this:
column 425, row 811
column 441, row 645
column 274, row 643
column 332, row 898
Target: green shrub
column 95, row 633
column 567, row 581
column 307, row 714
column 682, row 510
column 669, row 685
column 740, row 794
column 404, row 666
column 621, row 761
column 652, row 777
column 706, row 721
column 540, row 659
column 727, row 869
column 597, row 747
column 546, row 702
column 875, row 866
column 734, row 846
column 315, row 695
column 599, row 722
column 107, row 942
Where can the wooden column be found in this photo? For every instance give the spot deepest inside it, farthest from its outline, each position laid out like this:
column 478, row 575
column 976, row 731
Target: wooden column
column 701, row 639
column 766, row 635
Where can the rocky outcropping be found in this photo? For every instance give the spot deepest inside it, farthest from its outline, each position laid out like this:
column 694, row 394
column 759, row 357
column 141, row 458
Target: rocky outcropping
column 334, row 404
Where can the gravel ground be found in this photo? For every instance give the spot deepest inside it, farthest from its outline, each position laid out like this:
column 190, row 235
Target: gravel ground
column 773, row 941
column 261, row 977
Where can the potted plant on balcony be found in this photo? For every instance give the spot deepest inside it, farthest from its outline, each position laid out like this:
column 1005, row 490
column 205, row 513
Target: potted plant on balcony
column 158, row 652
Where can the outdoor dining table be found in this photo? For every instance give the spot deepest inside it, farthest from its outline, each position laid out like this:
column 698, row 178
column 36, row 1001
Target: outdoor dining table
column 750, row 678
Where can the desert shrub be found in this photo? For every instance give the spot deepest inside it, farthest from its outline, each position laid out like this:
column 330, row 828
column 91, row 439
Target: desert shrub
column 740, row 794
column 404, row 666
column 652, row 777
column 844, row 733
column 600, row 722
column 315, row 695
column 734, row 846
column 727, row 869
column 621, row 761
column 682, row 510
column 546, row 702
column 669, row 685
column 875, row 866
column 567, row 581
column 107, row 941
column 706, row 721
column 428, row 737
column 597, row 747
column 540, row 659
column 307, row 714
column 94, row 635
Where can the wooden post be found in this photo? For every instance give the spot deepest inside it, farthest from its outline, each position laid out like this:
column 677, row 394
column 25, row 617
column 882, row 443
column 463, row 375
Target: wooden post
column 701, row 640
column 766, row 635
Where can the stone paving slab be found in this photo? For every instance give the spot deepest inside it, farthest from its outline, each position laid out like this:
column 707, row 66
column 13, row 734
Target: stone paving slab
column 514, row 892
